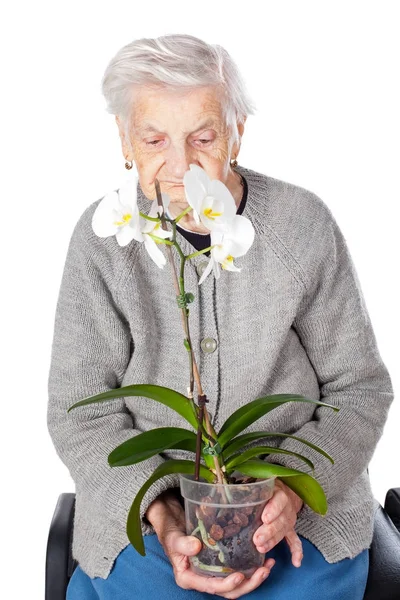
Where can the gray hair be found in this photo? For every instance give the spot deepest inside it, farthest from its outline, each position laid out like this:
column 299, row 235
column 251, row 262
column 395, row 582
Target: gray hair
column 179, row 62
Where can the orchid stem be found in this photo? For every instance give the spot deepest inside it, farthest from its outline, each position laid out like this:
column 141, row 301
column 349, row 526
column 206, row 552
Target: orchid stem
column 182, row 214
column 160, row 240
column 194, row 373
column 147, row 217
column 199, row 252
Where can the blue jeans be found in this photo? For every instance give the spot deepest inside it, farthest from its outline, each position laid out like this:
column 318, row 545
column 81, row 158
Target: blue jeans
column 151, row 577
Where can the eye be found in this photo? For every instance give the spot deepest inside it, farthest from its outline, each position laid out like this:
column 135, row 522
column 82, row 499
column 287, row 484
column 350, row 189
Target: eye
column 204, row 142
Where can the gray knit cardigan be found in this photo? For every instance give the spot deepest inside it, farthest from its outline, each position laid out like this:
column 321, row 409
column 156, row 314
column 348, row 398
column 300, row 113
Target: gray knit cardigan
column 294, row 320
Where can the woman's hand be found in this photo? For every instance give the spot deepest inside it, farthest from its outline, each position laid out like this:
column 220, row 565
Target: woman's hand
column 279, row 518
column 168, row 519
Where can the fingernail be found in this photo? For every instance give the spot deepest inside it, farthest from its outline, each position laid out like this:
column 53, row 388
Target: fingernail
column 238, row 579
column 261, row 539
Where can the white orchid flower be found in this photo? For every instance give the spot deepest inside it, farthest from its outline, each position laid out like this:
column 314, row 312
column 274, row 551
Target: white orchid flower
column 210, row 199
column 118, row 214
column 232, row 241
column 155, row 228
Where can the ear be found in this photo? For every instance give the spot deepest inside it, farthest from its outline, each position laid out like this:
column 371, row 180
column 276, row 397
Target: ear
column 236, row 146
column 240, row 127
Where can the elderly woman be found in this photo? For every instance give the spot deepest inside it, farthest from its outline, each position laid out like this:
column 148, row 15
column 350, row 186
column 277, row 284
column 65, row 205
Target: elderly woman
column 294, row 320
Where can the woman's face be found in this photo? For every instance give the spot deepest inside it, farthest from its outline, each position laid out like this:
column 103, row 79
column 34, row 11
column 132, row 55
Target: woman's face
column 170, row 131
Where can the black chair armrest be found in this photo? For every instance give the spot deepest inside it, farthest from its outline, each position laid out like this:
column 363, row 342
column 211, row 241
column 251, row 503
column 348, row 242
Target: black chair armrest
column 392, row 506
column 384, row 560
column 59, row 562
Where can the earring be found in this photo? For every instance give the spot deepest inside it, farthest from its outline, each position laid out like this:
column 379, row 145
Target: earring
column 234, row 163
column 128, row 166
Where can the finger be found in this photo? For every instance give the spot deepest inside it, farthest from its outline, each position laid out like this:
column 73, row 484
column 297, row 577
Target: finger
column 296, row 547
column 179, row 547
column 295, row 499
column 283, row 523
column 179, row 543
column 248, row 585
column 275, row 506
column 276, row 531
column 189, row 580
column 271, row 543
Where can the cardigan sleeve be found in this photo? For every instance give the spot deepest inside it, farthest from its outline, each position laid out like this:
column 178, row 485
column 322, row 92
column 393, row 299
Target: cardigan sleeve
column 335, row 329
column 91, row 349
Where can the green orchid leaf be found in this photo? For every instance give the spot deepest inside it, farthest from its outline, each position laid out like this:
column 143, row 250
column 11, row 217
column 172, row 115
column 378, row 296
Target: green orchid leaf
column 178, row 402
column 147, row 444
column 302, row 484
column 247, row 414
column 246, row 438
column 236, row 459
column 133, row 525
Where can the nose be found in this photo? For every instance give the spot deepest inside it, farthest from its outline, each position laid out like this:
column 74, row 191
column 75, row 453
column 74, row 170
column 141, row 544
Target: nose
column 178, row 158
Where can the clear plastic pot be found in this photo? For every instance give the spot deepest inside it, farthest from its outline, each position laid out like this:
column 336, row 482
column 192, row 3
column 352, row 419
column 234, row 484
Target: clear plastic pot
column 225, row 518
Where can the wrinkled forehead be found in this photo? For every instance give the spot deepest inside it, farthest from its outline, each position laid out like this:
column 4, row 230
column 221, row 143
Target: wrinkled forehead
column 150, row 127
column 155, row 110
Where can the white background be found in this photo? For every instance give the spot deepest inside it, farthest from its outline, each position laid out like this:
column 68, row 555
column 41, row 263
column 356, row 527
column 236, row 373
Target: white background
column 324, row 77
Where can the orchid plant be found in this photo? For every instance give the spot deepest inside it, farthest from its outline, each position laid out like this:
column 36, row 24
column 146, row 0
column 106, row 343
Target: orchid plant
column 224, row 452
